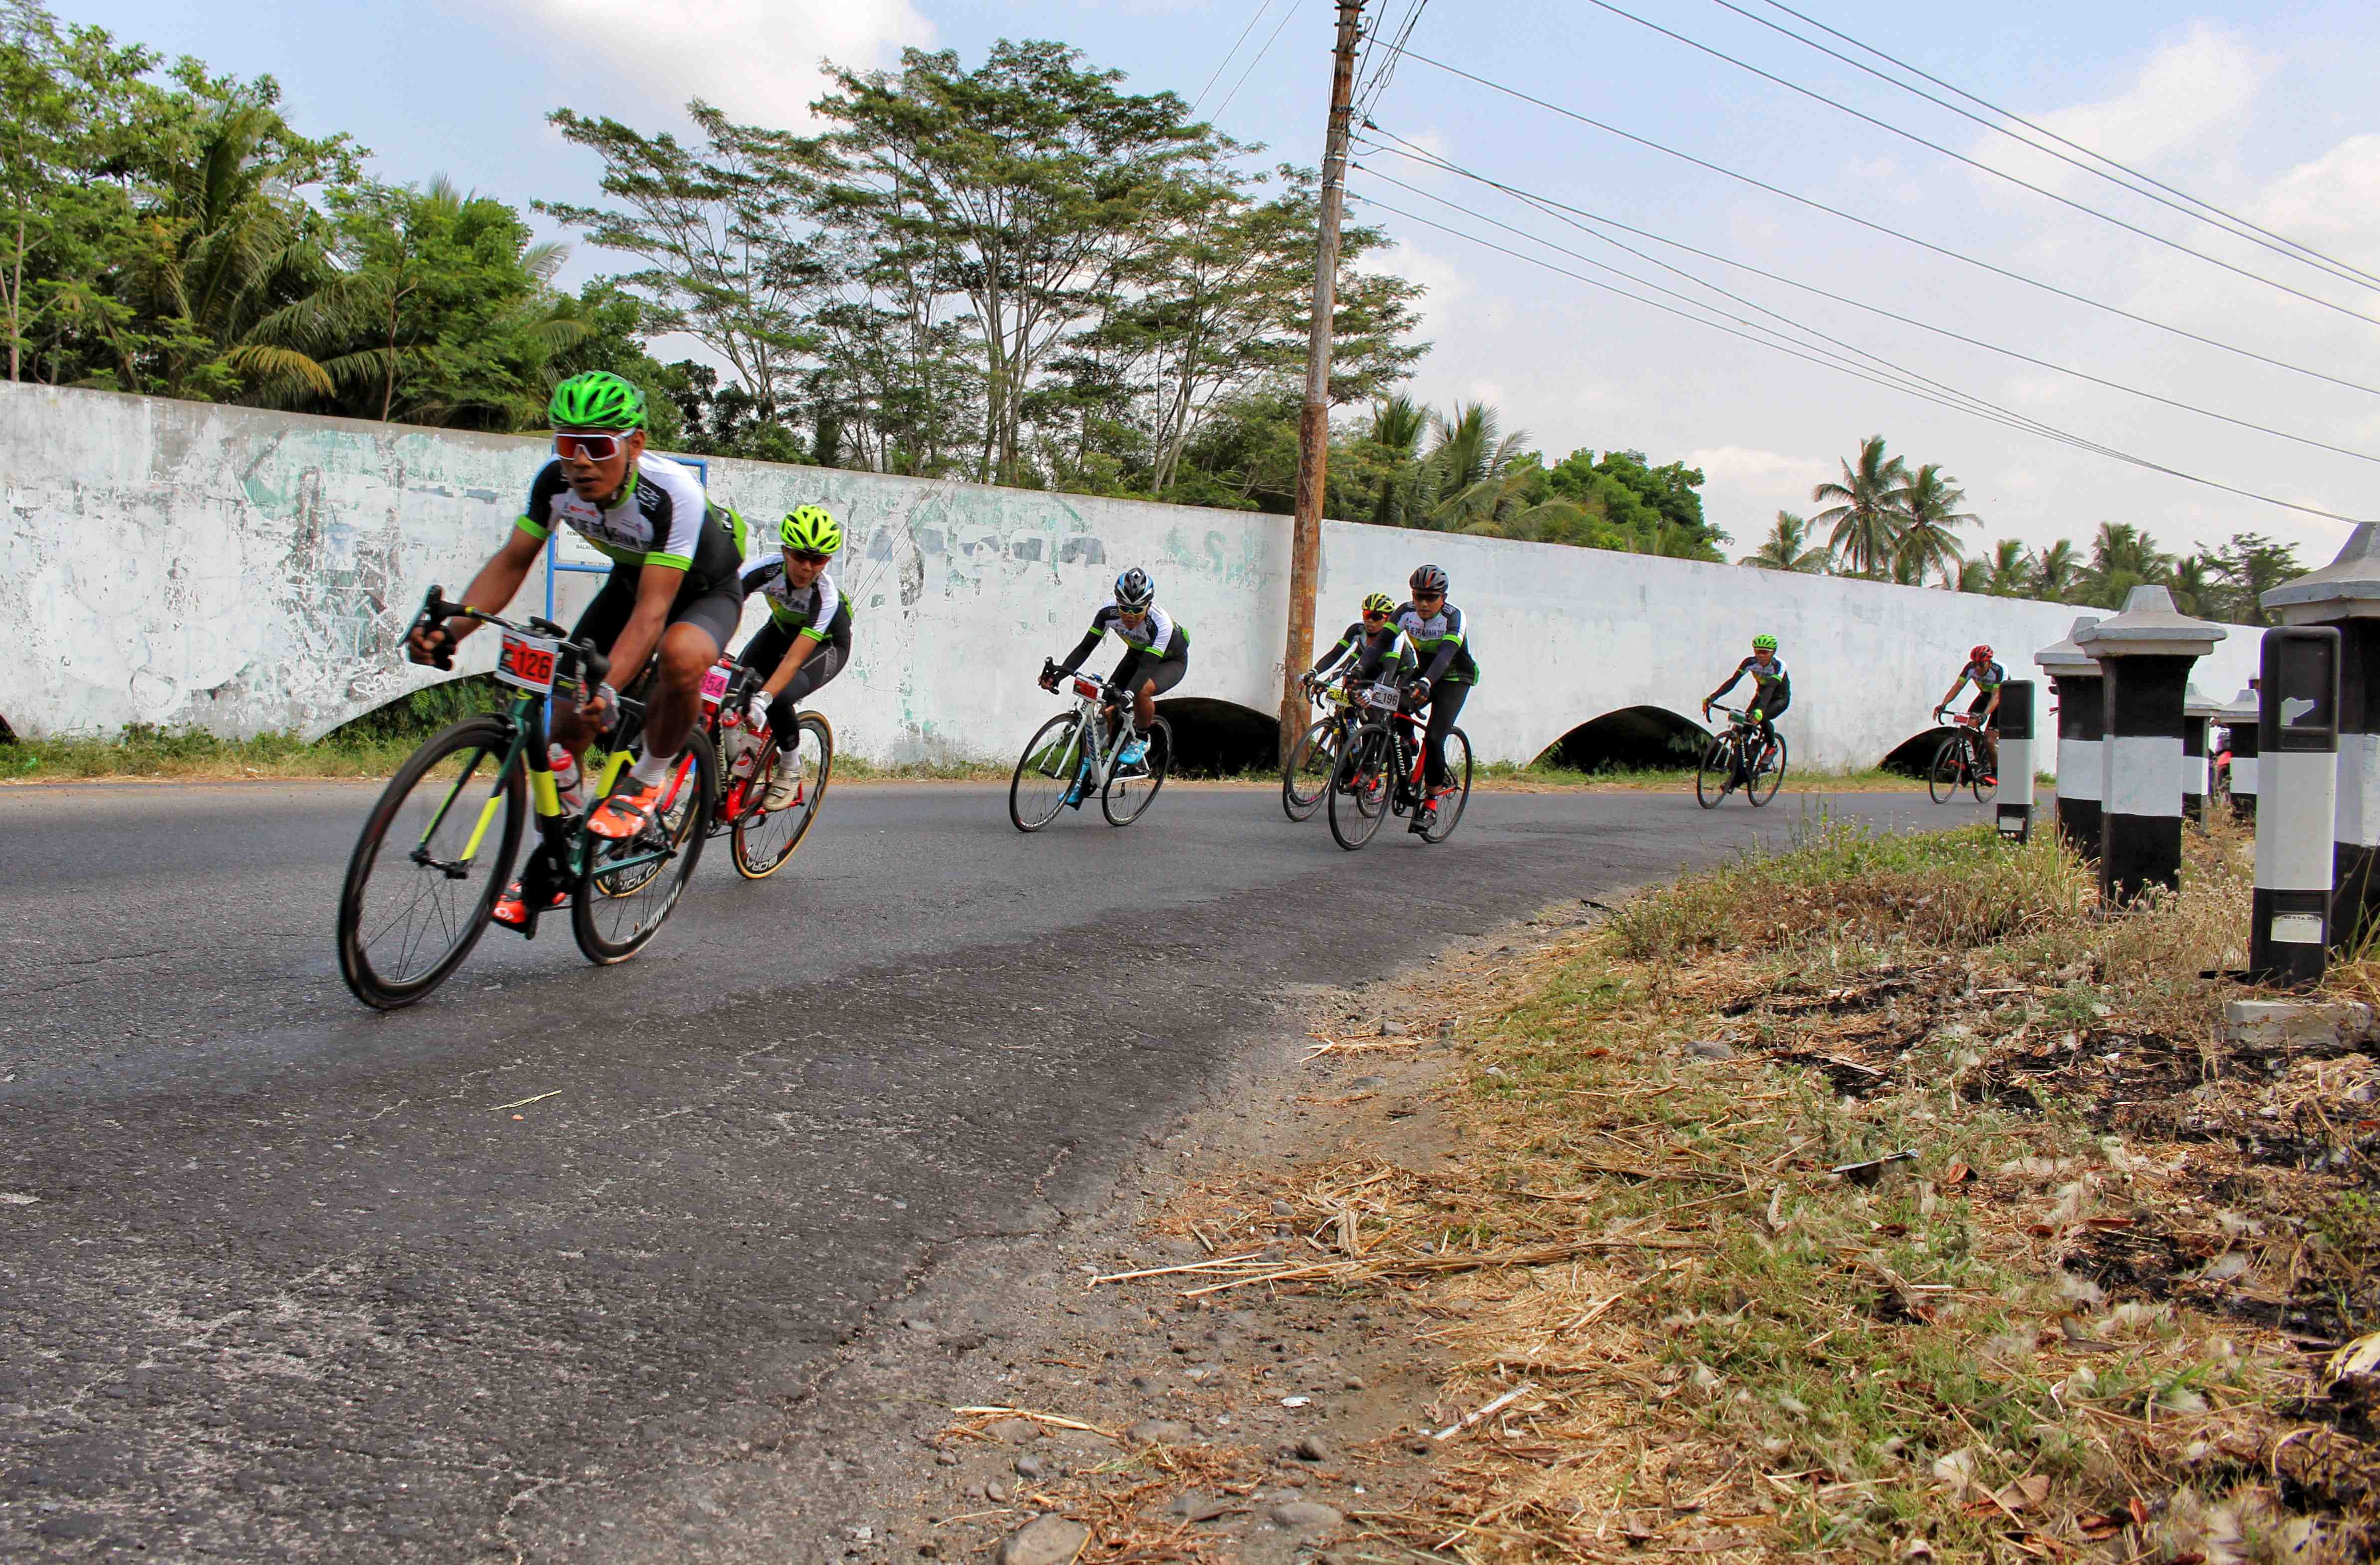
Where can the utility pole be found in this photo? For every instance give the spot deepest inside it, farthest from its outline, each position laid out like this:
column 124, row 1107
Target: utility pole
column 1314, row 418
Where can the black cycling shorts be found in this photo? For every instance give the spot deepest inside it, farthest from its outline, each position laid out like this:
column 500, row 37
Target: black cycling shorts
column 1165, row 672
column 1983, row 699
column 718, row 610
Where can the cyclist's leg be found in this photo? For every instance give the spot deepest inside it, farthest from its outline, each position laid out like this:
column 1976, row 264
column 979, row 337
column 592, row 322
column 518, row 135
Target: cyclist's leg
column 700, row 624
column 817, row 669
column 1445, row 706
column 603, row 620
column 1988, row 736
column 1155, row 680
column 765, row 650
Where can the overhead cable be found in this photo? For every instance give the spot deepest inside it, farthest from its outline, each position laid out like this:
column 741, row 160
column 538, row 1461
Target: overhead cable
column 1224, row 64
column 1871, row 226
column 1260, row 54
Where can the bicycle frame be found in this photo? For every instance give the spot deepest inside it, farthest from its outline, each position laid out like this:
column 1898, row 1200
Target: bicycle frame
column 1090, row 693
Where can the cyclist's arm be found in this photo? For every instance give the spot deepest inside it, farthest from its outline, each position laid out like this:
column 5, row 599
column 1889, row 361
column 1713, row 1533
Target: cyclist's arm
column 498, row 579
column 657, row 588
column 1082, row 649
column 1331, row 657
column 1445, row 649
column 1952, row 694
column 1733, row 680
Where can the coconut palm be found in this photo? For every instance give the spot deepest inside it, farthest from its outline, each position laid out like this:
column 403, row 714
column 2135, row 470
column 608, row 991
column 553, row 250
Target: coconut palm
column 1861, row 511
column 1787, row 547
column 2009, row 573
column 1929, row 505
column 1473, row 471
column 1975, row 576
column 2122, row 558
column 2055, row 572
column 1398, row 425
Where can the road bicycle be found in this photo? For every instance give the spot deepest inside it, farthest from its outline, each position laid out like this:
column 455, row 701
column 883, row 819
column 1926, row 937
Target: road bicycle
column 760, row 839
column 1315, row 756
column 1381, row 770
column 1959, row 763
column 1075, row 754
column 1734, row 758
column 437, row 849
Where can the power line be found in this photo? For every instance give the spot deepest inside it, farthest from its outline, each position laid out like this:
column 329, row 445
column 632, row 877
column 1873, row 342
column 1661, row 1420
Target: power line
column 1887, row 126
column 1834, row 361
column 2245, row 228
column 1871, row 226
column 1379, row 84
column 1556, row 210
column 1242, row 82
column 1224, row 64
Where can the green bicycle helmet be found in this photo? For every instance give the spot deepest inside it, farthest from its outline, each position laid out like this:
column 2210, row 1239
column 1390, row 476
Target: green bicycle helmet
column 597, row 399
column 1764, row 644
column 810, row 529
column 1379, row 602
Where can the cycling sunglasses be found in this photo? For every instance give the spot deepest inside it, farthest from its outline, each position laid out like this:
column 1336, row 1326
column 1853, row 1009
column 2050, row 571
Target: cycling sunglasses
column 1375, row 613
column 1420, row 598
column 810, row 556
column 588, row 447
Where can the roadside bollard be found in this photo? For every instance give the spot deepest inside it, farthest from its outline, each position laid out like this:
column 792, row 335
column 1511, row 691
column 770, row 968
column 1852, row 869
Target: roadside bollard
column 2239, row 720
column 2074, row 675
column 2146, row 653
column 2016, row 760
column 2345, row 595
column 2289, row 920
column 2196, row 713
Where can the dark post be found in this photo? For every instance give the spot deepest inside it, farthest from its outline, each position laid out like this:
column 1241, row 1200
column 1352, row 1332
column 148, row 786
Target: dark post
column 2146, row 651
column 2345, row 595
column 2195, row 712
column 2074, row 675
column 2016, row 759
column 2290, row 921
column 2239, row 722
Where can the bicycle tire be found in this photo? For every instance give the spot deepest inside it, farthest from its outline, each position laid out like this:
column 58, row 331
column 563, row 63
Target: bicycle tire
column 1055, row 744
column 754, row 846
column 1984, row 791
column 590, row 901
column 1714, row 771
column 1445, row 825
column 1352, row 826
column 1121, row 799
column 1943, row 778
column 1313, row 746
column 1775, row 777
column 389, row 991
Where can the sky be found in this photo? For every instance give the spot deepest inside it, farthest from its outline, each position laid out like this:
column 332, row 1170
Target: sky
column 2263, row 110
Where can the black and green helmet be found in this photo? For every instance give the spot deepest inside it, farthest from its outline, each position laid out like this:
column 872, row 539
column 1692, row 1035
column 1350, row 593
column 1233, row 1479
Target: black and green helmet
column 810, row 529
column 597, row 399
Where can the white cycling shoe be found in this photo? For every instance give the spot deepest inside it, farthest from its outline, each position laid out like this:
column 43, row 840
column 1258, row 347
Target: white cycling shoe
column 786, row 786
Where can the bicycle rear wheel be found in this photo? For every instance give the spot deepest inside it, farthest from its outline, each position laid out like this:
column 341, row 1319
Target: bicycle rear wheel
column 1458, row 773
column 1948, row 775
column 1311, row 761
column 1715, row 771
column 1045, row 772
column 1128, row 793
column 1984, row 791
column 764, row 840
column 1361, row 762
column 1767, row 774
column 630, row 886
column 435, row 853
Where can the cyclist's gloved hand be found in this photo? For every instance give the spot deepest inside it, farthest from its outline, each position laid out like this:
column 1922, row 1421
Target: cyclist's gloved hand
column 601, row 704
column 1050, row 681
column 756, row 706
column 1420, row 690
column 1753, row 716
column 431, row 643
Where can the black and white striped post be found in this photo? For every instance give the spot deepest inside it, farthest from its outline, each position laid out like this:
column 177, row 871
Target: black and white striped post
column 2145, row 652
column 2074, row 675
column 2240, row 723
column 2345, row 595
column 2016, row 760
column 2291, row 921
column 2197, row 710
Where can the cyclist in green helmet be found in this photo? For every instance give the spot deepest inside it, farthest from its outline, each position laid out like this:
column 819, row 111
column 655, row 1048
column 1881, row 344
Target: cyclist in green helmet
column 808, row 639
column 675, row 593
column 1772, row 690
column 1369, row 648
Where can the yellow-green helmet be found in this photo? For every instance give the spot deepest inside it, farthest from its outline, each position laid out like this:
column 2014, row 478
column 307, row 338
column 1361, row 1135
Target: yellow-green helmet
column 1379, row 602
column 597, row 399
column 810, row 529
column 1764, row 643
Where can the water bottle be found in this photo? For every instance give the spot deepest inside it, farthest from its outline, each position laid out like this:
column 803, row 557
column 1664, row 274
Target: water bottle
column 566, row 777
column 743, row 748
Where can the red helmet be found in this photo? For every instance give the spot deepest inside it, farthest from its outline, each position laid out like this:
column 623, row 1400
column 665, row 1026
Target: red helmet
column 1979, row 654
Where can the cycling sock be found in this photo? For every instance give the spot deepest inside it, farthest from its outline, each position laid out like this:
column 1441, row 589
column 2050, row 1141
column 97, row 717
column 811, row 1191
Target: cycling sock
column 651, row 770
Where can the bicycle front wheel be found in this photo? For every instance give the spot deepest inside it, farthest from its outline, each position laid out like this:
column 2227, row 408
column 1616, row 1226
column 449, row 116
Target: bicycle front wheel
column 1767, row 774
column 630, row 885
column 435, row 855
column 1944, row 778
column 1128, row 793
column 765, row 839
column 1046, row 772
column 1353, row 783
column 1311, row 761
column 1458, row 776
column 1714, row 773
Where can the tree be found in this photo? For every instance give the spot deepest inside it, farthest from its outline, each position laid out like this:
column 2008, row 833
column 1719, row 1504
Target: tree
column 1929, row 504
column 2056, row 572
column 2008, row 572
column 1863, row 512
column 1787, row 547
column 2243, row 570
column 2122, row 558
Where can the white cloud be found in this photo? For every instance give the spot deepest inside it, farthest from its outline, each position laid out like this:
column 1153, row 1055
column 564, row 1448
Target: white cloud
column 1447, row 282
column 1744, row 487
column 756, row 59
column 2335, row 198
column 2187, row 90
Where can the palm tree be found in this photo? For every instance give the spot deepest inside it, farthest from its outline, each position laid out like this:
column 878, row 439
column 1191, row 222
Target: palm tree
column 2122, row 558
column 1975, row 576
column 1398, row 425
column 2009, row 572
column 1861, row 509
column 2055, row 572
column 1472, row 472
column 1929, row 504
column 1787, row 547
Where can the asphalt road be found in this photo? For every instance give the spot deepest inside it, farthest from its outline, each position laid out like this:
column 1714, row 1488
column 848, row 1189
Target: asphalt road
column 284, row 1279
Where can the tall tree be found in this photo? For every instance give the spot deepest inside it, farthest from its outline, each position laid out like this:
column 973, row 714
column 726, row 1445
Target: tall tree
column 2244, row 569
column 1789, row 547
column 1863, row 512
column 1929, row 504
column 2056, row 570
column 2008, row 572
column 2122, row 557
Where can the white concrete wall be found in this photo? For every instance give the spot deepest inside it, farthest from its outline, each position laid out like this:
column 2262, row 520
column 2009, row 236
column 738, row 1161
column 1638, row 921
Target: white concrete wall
column 243, row 571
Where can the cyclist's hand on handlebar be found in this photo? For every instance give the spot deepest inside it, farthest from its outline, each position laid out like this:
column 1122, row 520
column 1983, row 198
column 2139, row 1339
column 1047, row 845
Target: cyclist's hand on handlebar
column 602, row 703
column 1050, row 680
column 432, row 643
column 1419, row 690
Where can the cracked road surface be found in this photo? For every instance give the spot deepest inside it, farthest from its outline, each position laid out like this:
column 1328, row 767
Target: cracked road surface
column 281, row 1279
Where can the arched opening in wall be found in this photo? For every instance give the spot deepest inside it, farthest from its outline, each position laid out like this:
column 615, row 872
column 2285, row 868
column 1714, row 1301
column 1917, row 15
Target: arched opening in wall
column 7, row 734
column 414, row 716
column 1914, row 754
column 1220, row 738
column 1631, row 740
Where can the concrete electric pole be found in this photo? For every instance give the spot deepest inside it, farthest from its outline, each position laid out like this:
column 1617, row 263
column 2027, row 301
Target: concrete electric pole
column 1314, row 418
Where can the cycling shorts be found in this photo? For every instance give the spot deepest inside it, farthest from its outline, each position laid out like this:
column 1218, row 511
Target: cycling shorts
column 1983, row 699
column 1164, row 673
column 717, row 608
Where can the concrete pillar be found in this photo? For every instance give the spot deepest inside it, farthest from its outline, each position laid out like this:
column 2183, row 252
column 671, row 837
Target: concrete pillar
column 2239, row 722
column 2196, row 713
column 2074, row 675
column 2146, row 653
column 2015, row 801
column 2345, row 595
column 2293, row 916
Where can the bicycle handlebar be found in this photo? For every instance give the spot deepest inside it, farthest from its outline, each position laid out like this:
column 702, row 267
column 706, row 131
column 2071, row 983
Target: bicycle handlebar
column 436, row 609
column 1049, row 671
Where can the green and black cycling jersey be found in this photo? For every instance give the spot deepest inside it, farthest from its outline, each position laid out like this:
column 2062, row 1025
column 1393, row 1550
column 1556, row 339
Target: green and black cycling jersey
column 1366, row 652
column 1439, row 639
column 1772, row 687
column 662, row 516
column 818, row 611
column 1155, row 638
column 1985, row 677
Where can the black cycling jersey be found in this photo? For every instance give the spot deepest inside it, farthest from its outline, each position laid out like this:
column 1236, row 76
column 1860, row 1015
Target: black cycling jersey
column 1772, row 687
column 818, row 611
column 1439, row 638
column 661, row 518
column 1366, row 652
column 1156, row 637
